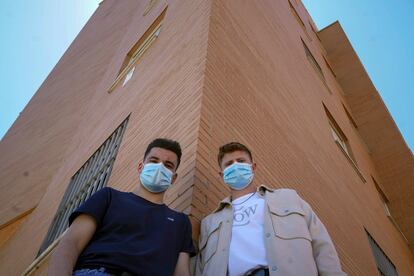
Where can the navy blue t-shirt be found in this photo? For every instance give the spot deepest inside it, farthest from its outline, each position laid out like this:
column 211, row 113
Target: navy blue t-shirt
column 134, row 234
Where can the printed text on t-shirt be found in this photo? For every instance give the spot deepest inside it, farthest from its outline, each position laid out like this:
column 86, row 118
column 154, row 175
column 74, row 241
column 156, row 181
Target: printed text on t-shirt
column 243, row 214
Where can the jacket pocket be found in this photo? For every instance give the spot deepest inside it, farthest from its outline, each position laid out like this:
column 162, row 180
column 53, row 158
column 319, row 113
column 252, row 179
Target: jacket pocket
column 209, row 243
column 289, row 223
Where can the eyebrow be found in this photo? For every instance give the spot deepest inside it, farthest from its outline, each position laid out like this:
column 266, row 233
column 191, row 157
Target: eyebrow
column 170, row 163
column 228, row 162
column 153, row 158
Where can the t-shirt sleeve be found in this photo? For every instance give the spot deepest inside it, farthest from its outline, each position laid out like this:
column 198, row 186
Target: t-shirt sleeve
column 95, row 206
column 188, row 245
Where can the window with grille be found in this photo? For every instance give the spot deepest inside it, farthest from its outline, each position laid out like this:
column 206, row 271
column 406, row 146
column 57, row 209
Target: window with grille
column 136, row 52
column 384, row 265
column 91, row 177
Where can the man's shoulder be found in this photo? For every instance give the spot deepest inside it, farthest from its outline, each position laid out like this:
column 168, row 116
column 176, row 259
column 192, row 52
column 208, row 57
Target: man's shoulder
column 285, row 199
column 122, row 197
column 175, row 212
column 209, row 216
column 213, row 217
column 102, row 194
column 107, row 190
column 115, row 192
column 284, row 193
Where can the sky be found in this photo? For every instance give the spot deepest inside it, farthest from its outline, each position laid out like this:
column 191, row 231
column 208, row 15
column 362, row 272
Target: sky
column 382, row 34
column 35, row 34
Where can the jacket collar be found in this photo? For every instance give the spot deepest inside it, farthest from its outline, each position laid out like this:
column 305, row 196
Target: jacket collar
column 262, row 189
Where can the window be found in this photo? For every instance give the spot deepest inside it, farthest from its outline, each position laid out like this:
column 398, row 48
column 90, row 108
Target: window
column 338, row 135
column 314, row 30
column 384, row 265
column 128, row 66
column 383, row 198
column 339, row 138
column 313, row 61
column 385, row 203
column 91, row 177
column 315, row 65
column 297, row 17
column 351, row 119
column 329, row 66
column 342, row 142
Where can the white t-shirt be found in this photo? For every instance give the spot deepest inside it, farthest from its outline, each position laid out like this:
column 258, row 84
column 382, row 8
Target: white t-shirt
column 247, row 245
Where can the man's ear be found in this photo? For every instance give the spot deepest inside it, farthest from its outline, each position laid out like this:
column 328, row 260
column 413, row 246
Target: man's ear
column 220, row 176
column 140, row 167
column 174, row 177
column 254, row 167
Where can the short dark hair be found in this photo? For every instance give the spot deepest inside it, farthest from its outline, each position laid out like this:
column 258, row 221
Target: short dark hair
column 231, row 147
column 167, row 144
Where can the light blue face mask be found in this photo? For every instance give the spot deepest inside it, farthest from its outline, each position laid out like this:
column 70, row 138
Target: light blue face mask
column 155, row 177
column 238, row 175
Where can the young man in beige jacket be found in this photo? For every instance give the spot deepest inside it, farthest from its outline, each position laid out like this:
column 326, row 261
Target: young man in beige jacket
column 261, row 231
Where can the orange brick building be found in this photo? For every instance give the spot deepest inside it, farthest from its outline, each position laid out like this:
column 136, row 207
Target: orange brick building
column 207, row 72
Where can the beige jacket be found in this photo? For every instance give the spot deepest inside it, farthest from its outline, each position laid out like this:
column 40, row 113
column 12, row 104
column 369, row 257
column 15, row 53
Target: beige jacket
column 297, row 242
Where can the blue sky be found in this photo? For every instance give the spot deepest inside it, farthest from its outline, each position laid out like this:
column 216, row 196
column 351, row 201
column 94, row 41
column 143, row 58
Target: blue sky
column 35, row 34
column 382, row 34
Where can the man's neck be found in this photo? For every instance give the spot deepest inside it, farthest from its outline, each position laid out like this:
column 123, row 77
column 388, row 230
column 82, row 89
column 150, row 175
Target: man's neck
column 239, row 193
column 157, row 198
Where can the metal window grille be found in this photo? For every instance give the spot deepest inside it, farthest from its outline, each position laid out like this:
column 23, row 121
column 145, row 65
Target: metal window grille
column 384, row 264
column 91, row 177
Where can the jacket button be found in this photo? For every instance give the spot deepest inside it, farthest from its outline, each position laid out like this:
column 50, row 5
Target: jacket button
column 274, row 268
column 267, row 235
column 286, row 211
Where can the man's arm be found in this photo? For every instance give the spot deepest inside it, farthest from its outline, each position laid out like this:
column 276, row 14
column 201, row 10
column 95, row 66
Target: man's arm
column 182, row 267
column 324, row 253
column 71, row 245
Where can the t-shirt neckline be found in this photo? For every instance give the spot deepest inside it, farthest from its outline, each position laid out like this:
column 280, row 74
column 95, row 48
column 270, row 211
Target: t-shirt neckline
column 146, row 200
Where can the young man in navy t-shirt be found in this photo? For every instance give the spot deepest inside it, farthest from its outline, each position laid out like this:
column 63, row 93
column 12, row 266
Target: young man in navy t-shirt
column 119, row 233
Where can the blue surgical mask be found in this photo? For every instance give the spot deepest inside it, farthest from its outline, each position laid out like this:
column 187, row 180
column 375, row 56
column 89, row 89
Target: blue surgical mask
column 238, row 175
column 155, row 177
